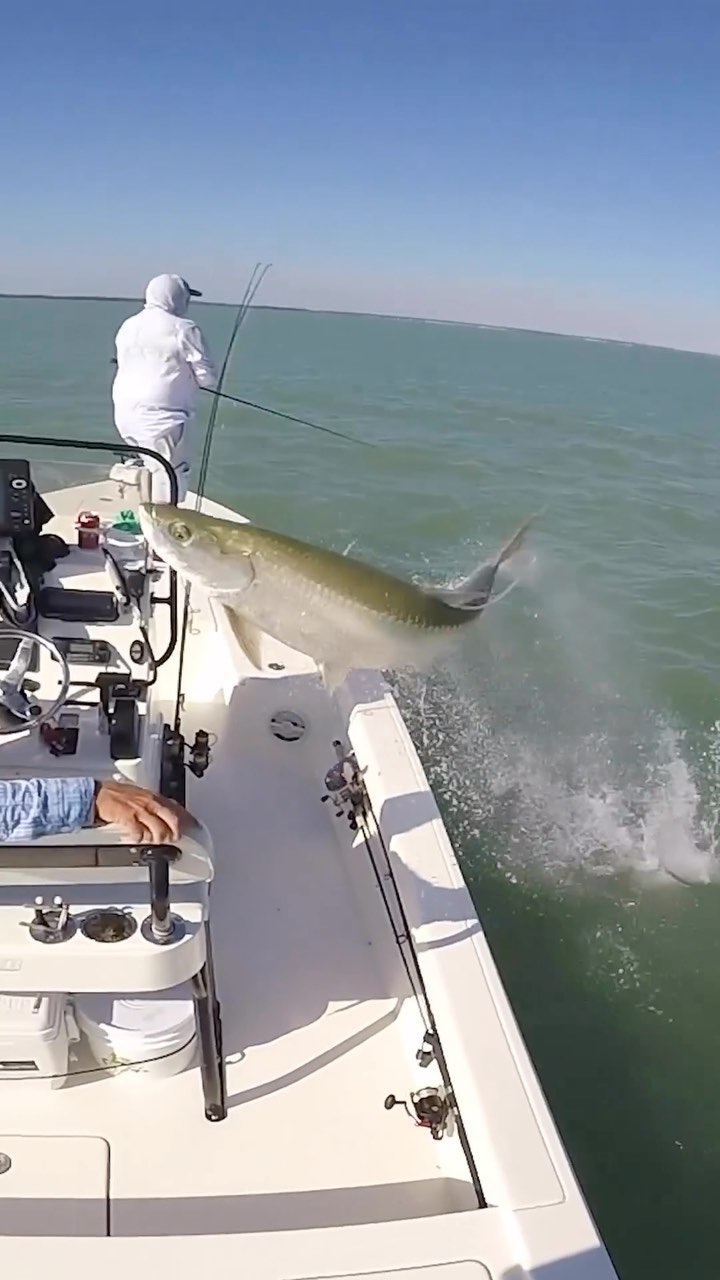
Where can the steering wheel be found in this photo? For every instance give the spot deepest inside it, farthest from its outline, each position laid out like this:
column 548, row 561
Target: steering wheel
column 16, row 710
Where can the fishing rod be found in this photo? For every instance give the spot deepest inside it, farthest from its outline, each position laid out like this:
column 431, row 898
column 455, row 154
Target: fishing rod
column 251, row 289
column 289, row 417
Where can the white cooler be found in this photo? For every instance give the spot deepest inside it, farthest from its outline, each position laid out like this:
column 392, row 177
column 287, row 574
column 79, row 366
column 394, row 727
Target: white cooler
column 139, row 1036
column 35, row 1034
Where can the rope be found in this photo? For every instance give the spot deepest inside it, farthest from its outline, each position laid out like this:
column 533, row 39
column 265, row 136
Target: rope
column 15, row 1076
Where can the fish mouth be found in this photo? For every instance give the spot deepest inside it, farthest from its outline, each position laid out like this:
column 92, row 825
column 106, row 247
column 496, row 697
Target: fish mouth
column 150, row 515
column 202, row 561
column 146, row 520
column 156, row 520
column 147, row 511
column 157, row 537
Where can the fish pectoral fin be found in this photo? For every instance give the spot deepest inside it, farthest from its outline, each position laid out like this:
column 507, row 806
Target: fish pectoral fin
column 247, row 635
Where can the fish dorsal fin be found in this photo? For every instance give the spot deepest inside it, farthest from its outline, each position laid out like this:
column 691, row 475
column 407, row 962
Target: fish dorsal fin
column 247, row 635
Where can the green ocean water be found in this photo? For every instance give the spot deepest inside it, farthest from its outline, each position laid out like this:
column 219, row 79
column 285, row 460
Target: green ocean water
column 574, row 742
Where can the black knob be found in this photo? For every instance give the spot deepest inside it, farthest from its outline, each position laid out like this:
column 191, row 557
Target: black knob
column 39, row 914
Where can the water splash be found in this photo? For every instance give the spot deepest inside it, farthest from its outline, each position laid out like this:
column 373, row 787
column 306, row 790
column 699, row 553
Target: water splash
column 680, row 826
column 621, row 795
column 554, row 770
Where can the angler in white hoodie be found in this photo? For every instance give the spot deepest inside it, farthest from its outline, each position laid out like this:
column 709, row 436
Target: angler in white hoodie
column 162, row 359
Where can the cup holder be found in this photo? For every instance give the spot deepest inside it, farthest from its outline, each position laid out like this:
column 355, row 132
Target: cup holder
column 108, row 925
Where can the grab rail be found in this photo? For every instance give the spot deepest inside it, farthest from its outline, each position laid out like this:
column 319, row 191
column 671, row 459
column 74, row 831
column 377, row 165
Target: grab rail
column 120, row 451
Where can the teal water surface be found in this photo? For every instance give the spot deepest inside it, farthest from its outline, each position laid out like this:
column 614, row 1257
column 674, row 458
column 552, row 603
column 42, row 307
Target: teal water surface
column 574, row 743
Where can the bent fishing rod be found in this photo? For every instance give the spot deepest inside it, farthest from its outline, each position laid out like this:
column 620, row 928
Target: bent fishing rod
column 289, row 417
column 251, row 289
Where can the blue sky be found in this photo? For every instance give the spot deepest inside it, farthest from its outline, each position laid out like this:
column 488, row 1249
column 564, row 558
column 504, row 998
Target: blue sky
column 550, row 164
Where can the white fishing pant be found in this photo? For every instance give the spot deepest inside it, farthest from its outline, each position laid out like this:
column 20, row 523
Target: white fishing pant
column 171, row 444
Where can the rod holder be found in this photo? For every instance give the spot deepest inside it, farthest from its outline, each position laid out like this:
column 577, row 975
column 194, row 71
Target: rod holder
column 160, row 919
column 161, row 926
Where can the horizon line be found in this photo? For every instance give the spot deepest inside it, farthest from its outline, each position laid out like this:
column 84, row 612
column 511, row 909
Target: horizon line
column 372, row 315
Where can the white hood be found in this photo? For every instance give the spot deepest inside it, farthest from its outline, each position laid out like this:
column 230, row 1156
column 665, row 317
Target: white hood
column 162, row 359
column 169, row 293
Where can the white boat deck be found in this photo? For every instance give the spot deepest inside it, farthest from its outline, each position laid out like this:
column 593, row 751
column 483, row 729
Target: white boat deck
column 312, row 1003
column 309, row 1175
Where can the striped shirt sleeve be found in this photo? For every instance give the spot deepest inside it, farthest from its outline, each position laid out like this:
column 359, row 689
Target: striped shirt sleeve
column 32, row 807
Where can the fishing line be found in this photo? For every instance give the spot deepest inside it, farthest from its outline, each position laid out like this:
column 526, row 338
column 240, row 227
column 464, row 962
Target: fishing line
column 289, row 417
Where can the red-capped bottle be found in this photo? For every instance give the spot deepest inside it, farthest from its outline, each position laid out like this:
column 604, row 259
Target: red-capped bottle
column 88, row 530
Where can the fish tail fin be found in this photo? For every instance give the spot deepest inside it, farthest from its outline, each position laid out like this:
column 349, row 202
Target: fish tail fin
column 332, row 675
column 514, row 544
column 474, row 592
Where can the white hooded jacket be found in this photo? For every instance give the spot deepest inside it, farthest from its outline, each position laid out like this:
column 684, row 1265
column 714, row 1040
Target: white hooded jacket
column 162, row 359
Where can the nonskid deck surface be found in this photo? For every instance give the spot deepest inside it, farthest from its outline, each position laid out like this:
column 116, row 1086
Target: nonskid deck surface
column 319, row 1024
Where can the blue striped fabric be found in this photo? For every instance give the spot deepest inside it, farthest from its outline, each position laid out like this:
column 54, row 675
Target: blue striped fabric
column 31, row 807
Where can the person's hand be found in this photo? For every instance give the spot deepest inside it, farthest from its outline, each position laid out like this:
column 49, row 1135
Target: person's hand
column 143, row 816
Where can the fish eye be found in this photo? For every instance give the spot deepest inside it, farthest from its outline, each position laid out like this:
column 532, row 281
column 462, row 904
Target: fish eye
column 180, row 532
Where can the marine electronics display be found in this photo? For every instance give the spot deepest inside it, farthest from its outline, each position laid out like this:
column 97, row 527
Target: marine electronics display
column 17, row 505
